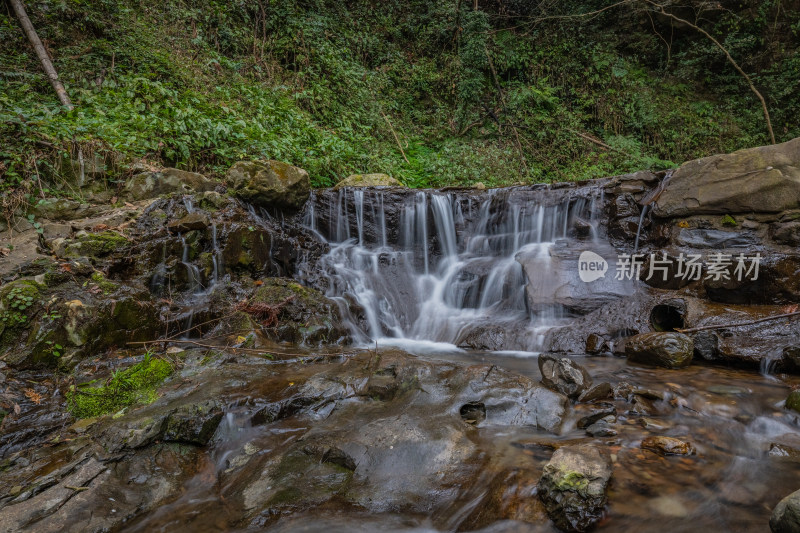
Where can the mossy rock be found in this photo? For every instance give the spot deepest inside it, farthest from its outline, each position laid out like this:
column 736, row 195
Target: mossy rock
column 135, row 385
column 793, row 401
column 269, row 184
column 95, row 245
column 306, row 317
column 368, row 180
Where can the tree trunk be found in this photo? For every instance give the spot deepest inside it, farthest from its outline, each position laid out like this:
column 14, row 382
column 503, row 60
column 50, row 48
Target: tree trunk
column 47, row 65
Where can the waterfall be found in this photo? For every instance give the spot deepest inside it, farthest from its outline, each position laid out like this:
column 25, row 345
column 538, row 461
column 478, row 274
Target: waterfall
column 434, row 266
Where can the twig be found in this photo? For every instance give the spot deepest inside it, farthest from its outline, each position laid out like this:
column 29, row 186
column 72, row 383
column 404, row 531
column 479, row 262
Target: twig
column 235, row 349
column 395, row 137
column 725, row 326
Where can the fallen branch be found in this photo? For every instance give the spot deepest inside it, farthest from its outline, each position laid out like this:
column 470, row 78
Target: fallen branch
column 735, row 325
column 38, row 47
column 397, row 140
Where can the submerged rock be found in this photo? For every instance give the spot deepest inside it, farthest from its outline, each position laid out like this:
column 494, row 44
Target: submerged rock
column 368, row 180
column 667, row 446
column 667, row 349
column 786, row 515
column 573, row 486
column 269, row 184
column 564, row 375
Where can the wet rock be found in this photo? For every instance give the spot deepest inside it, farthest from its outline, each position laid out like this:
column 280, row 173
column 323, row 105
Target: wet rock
column 783, row 450
column 706, row 345
column 595, row 344
column 167, row 181
column 793, row 401
column 564, row 375
column 92, row 245
column 573, row 487
column 601, row 429
column 667, row 349
column 269, row 184
column 623, row 391
column 368, row 180
column 786, row 515
column 601, row 391
column 193, row 424
column 598, row 412
column 667, row 446
column 192, row 221
column 765, row 179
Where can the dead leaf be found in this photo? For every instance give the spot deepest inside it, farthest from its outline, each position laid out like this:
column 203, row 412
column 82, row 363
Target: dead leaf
column 114, row 199
column 33, row 396
column 17, row 409
column 99, row 227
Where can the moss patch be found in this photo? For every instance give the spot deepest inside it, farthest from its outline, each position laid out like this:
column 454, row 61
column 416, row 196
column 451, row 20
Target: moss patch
column 135, row 385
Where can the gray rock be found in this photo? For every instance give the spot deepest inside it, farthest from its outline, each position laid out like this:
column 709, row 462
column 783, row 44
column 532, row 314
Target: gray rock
column 270, row 184
column 573, row 487
column 786, row 515
column 168, row 181
column 765, row 179
column 564, row 375
column 667, row 349
column 715, row 238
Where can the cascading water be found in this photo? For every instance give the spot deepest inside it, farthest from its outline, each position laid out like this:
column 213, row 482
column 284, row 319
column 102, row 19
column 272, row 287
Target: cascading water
column 435, row 266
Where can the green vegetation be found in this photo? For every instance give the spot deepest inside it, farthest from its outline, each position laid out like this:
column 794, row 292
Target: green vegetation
column 513, row 91
column 17, row 300
column 134, row 385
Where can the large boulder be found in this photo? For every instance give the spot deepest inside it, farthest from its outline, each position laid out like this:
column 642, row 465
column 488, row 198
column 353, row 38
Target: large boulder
column 786, row 515
column 667, row 349
column 270, row 184
column 765, row 179
column 573, row 486
column 170, row 180
column 368, row 180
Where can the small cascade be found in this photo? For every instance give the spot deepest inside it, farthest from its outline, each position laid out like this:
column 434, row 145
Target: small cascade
column 192, row 272
column 645, row 209
column 436, row 266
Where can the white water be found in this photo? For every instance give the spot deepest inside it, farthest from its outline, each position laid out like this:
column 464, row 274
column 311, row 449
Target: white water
column 446, row 263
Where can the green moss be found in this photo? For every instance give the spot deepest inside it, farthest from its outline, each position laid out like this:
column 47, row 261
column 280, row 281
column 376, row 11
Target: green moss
column 135, row 385
column 571, row 480
column 728, row 220
column 101, row 281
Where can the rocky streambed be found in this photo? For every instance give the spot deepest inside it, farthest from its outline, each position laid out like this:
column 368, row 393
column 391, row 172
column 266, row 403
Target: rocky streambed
column 203, row 356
